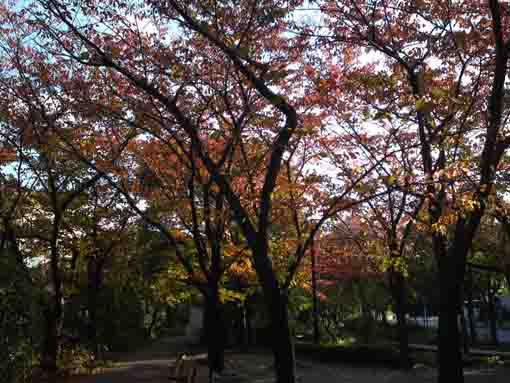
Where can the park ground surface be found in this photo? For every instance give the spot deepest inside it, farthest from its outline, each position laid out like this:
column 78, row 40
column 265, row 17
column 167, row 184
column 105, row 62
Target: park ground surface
column 151, row 365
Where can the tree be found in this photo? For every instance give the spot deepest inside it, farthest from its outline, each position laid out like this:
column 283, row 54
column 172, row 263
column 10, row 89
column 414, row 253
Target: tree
column 387, row 219
column 35, row 117
column 182, row 192
column 486, row 267
column 349, row 269
column 102, row 222
column 262, row 65
column 19, row 314
column 452, row 106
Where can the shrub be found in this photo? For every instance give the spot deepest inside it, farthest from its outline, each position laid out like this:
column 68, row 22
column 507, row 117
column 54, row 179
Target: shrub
column 386, row 356
column 20, row 318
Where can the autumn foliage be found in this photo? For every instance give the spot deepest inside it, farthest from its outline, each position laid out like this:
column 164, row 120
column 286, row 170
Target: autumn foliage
column 243, row 137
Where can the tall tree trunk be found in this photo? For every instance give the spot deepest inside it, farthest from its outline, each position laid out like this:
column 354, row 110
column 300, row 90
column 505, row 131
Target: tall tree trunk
column 249, row 327
column 53, row 320
column 277, row 304
column 366, row 321
column 214, row 330
column 452, row 269
column 472, row 325
column 50, row 343
column 283, row 348
column 51, row 337
column 316, row 335
column 492, row 313
column 169, row 316
column 399, row 295
column 95, row 276
column 470, row 311
column 92, row 304
column 243, row 336
column 463, row 323
column 449, row 353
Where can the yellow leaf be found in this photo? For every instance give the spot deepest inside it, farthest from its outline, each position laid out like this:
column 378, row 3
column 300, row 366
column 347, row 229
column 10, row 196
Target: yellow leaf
column 438, row 93
column 423, row 105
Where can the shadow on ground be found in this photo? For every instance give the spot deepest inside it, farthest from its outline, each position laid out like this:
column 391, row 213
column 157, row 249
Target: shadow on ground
column 151, row 365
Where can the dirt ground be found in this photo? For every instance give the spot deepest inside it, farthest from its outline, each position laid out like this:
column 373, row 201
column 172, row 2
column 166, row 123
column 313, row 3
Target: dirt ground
column 151, row 365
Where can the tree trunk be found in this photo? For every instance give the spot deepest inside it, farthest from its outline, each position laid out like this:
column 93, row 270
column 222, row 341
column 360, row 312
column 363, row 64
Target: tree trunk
column 92, row 304
column 53, row 322
column 472, row 325
column 283, row 348
column 471, row 315
column 214, row 330
column 366, row 321
column 169, row 316
column 154, row 319
column 277, row 305
column 244, row 327
column 449, row 353
column 50, row 345
column 492, row 314
column 316, row 335
column 384, row 318
column 249, row 327
column 94, row 273
column 399, row 295
column 465, row 337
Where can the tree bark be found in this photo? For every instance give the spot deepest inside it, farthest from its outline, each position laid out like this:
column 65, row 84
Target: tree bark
column 214, row 331
column 50, row 345
column 276, row 300
column 316, row 335
column 53, row 319
column 399, row 294
column 366, row 319
column 249, row 328
column 92, row 303
column 492, row 313
column 452, row 269
column 465, row 337
column 243, row 336
column 449, row 353
column 471, row 315
column 283, row 348
column 95, row 279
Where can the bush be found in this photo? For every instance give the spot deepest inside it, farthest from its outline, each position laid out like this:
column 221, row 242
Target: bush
column 74, row 359
column 20, row 318
column 119, row 322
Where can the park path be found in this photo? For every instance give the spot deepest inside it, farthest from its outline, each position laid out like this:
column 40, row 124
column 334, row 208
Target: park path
column 150, row 365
